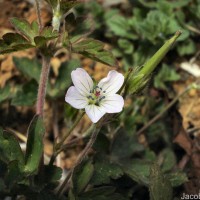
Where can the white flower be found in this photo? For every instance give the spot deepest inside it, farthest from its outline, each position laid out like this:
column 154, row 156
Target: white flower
column 96, row 99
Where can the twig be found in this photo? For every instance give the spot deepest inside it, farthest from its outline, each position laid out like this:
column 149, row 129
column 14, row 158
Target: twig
column 159, row 115
column 59, row 146
column 81, row 157
column 38, row 14
column 193, row 29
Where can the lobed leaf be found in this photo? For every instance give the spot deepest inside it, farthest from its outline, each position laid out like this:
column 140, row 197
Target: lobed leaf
column 105, row 171
column 10, row 149
column 94, row 49
column 27, row 95
column 30, row 68
column 81, row 176
column 23, row 27
column 159, row 185
column 66, row 5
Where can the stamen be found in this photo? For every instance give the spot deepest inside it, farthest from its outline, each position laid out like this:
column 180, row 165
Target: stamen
column 101, row 98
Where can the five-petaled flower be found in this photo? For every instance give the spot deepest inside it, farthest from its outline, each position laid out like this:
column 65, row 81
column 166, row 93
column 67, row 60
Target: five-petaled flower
column 96, row 99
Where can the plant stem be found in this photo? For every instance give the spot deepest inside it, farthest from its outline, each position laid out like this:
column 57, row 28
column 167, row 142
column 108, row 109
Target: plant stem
column 80, row 158
column 42, row 85
column 38, row 14
column 159, row 115
column 59, row 146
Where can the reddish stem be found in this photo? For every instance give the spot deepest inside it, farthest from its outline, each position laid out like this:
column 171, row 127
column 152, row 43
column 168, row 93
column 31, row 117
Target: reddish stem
column 42, row 85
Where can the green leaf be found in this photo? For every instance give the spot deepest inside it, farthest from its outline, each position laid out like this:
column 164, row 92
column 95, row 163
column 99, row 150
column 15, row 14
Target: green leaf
column 94, row 49
column 23, row 27
column 5, row 93
column 105, row 190
column 102, row 193
column 159, row 187
column 29, row 67
column 27, row 95
column 177, row 178
column 188, row 47
column 13, row 39
column 81, row 176
column 88, row 45
column 40, row 41
column 48, row 33
column 165, row 75
column 63, row 80
column 119, row 25
column 13, row 174
column 105, row 171
column 52, row 174
column 128, row 145
column 34, row 150
column 137, row 170
column 10, row 149
column 13, row 42
column 126, row 46
column 169, row 159
column 66, row 5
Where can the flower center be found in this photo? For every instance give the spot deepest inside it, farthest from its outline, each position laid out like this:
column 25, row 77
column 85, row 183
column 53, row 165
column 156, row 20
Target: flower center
column 96, row 95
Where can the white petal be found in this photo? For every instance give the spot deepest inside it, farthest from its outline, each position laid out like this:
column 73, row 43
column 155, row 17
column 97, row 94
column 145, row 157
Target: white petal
column 75, row 99
column 113, row 103
column 112, row 83
column 94, row 112
column 82, row 81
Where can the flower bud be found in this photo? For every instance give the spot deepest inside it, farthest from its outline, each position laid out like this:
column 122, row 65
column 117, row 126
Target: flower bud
column 140, row 76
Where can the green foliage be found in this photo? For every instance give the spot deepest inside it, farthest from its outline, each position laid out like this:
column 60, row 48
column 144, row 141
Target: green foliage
column 165, row 76
column 94, row 49
column 160, row 187
column 145, row 26
column 10, row 149
column 139, row 79
column 28, row 36
column 65, row 5
column 105, row 171
column 34, row 150
column 5, row 93
column 30, row 68
column 81, row 176
column 11, row 155
column 177, row 178
column 26, row 95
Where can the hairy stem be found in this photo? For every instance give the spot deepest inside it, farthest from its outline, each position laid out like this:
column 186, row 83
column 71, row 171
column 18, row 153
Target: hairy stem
column 38, row 14
column 80, row 158
column 42, row 85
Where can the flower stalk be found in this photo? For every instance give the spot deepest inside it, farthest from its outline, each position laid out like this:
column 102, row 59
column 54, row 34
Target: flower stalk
column 59, row 146
column 81, row 157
